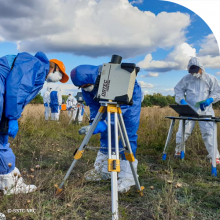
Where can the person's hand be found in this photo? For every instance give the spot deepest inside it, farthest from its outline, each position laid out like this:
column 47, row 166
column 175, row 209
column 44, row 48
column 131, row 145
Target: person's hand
column 101, row 127
column 206, row 103
column 45, row 104
column 183, row 102
column 60, row 107
column 13, row 128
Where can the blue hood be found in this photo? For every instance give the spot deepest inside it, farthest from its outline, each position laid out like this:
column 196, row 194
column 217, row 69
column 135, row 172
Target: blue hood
column 84, row 74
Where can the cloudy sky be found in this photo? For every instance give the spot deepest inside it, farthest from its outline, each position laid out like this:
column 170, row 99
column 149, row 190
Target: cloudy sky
column 159, row 36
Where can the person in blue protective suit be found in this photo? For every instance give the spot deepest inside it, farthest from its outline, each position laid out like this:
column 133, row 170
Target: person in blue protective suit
column 198, row 86
column 84, row 76
column 21, row 78
column 55, row 103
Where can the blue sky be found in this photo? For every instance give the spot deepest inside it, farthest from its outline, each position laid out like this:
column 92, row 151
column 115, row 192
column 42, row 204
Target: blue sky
column 158, row 36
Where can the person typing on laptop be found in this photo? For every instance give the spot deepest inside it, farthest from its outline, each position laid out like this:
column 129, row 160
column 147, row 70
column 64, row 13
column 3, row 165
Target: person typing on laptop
column 195, row 87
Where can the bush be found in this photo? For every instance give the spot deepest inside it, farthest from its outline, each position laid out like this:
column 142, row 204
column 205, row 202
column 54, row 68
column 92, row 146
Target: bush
column 37, row 100
column 158, row 99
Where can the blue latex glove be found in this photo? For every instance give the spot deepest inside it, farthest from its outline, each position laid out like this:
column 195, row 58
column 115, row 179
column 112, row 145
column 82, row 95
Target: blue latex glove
column 183, row 102
column 45, row 105
column 101, row 127
column 13, row 128
column 60, row 107
column 206, row 103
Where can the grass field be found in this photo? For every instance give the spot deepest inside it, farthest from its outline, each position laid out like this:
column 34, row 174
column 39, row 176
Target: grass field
column 174, row 189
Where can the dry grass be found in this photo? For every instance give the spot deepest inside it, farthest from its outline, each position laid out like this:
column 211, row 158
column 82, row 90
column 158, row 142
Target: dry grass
column 51, row 146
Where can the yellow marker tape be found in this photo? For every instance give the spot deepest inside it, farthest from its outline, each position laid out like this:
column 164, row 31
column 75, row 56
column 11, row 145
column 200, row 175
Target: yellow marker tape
column 110, row 165
column 141, row 191
column 129, row 157
column 102, row 109
column 78, row 154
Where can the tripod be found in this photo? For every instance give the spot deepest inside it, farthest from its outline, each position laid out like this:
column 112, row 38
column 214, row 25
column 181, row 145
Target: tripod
column 76, row 111
column 113, row 156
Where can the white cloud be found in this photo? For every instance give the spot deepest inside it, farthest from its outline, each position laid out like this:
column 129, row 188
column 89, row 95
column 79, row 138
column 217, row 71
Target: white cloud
column 209, row 46
column 89, row 27
column 145, row 92
column 161, row 66
column 218, row 73
column 168, row 90
column 150, row 74
column 137, row 2
column 175, row 60
column 145, row 85
column 153, row 74
column 210, row 62
column 1, row 39
column 181, row 55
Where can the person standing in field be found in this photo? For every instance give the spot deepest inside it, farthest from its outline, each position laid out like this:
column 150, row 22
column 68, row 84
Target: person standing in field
column 198, row 86
column 71, row 105
column 46, row 98
column 21, row 78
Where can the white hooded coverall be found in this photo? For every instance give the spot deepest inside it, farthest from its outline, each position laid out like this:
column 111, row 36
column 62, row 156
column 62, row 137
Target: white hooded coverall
column 71, row 102
column 196, row 90
column 46, row 99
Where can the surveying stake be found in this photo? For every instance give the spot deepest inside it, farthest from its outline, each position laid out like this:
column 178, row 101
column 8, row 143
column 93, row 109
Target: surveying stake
column 113, row 156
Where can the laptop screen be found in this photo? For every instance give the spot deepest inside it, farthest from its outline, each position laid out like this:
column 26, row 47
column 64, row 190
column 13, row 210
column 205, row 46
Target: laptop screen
column 186, row 110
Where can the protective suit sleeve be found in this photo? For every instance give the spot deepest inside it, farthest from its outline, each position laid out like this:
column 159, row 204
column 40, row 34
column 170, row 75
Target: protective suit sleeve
column 45, row 97
column 24, row 82
column 179, row 91
column 215, row 90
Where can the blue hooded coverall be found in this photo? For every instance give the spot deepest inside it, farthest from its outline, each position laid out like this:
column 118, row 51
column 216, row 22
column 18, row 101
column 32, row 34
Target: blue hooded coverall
column 54, row 104
column 87, row 74
column 19, row 84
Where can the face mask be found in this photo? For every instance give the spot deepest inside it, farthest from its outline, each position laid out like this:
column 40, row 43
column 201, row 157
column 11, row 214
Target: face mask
column 89, row 88
column 197, row 75
column 54, row 77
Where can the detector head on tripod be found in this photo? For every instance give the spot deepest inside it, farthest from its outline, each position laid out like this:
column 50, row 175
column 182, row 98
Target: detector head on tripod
column 117, row 81
column 79, row 97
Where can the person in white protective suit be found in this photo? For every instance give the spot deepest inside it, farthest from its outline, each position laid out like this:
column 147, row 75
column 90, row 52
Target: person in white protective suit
column 197, row 86
column 46, row 98
column 71, row 105
column 80, row 110
column 55, row 103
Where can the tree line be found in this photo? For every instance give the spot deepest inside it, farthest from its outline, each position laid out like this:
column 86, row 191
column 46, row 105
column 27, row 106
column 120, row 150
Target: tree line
column 156, row 99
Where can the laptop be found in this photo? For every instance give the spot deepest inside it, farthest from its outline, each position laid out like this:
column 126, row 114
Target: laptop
column 187, row 111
